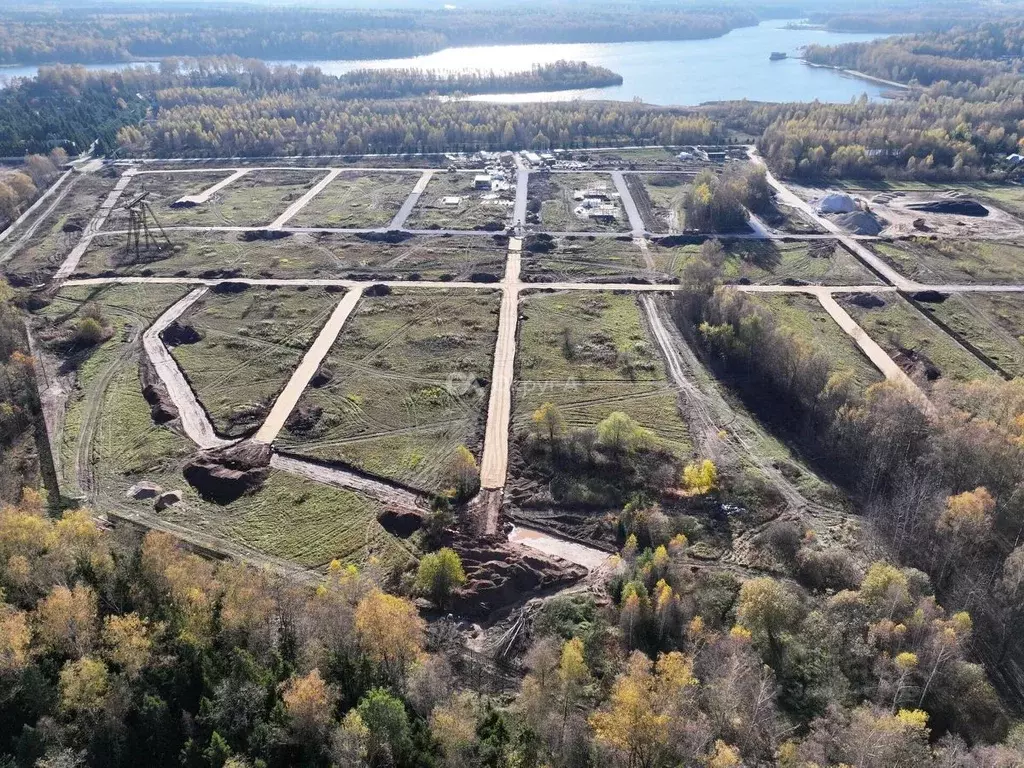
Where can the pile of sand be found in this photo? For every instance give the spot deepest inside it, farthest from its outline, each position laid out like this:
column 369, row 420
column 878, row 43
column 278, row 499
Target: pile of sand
column 860, row 223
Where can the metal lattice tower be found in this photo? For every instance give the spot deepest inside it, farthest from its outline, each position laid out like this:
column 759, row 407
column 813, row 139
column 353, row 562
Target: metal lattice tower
column 143, row 227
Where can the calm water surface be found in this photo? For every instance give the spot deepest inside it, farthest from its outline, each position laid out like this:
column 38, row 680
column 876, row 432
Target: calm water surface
column 734, row 66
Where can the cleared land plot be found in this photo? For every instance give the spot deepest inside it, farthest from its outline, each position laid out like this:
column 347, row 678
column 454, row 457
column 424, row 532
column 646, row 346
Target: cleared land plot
column 125, row 311
column 819, row 262
column 404, row 386
column 660, row 198
column 919, row 347
column 312, row 524
column 571, row 258
column 589, row 354
column 476, row 208
column 57, row 233
column 993, row 323
column 305, row 255
column 804, row 317
column 552, row 198
column 955, row 261
column 357, row 200
column 162, row 191
column 787, row 219
column 1009, row 197
column 239, row 349
column 254, row 200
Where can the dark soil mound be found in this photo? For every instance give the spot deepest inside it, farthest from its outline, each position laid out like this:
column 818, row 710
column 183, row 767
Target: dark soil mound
column 304, row 419
column 378, row 290
column 322, row 377
column 177, row 334
column 264, row 234
column 867, row 300
column 230, row 286
column 161, row 408
column 954, row 207
column 400, row 523
column 225, row 475
column 391, row 236
column 929, row 296
column 914, row 362
column 674, row 241
column 540, row 243
column 483, row 277
column 499, row 574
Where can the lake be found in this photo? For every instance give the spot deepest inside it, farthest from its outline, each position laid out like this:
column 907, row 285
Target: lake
column 677, row 72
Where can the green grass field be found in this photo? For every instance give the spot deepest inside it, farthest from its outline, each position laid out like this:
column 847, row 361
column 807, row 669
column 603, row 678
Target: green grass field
column 302, row 255
column 312, row 524
column 477, row 209
column 914, row 342
column 408, row 382
column 590, row 355
column 357, row 199
column 956, row 261
column 127, row 310
column 991, row 322
column 803, row 316
column 582, row 259
column 554, row 194
column 823, row 262
column 251, row 344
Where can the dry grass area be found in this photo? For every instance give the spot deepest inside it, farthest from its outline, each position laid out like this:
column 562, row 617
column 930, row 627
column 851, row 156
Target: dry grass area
column 35, row 261
column 921, row 348
column 823, row 262
column 406, row 383
column 955, row 261
column 590, row 354
column 248, row 344
column 356, row 200
column 162, row 190
column 992, row 323
column 572, row 258
column 304, row 255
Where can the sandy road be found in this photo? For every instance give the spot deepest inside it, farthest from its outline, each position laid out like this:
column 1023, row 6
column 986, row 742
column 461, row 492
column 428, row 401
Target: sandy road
column 636, row 221
column 71, row 262
column 49, row 193
column 209, row 192
column 494, row 467
column 411, row 200
column 339, row 478
column 522, row 195
column 303, row 201
column 790, row 198
column 868, row 346
column 299, row 380
column 565, row 549
column 194, row 420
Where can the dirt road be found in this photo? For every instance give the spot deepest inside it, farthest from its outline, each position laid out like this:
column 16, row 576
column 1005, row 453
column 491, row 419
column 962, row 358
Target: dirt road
column 55, row 200
column 547, row 544
column 494, row 467
column 299, row 380
column 382, row 492
column 868, row 346
column 71, row 262
column 303, row 201
column 194, row 421
column 411, row 200
column 636, row 221
column 522, row 195
column 206, row 194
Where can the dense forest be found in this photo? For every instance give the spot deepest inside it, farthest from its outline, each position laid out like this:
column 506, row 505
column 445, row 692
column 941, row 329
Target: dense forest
column 945, row 488
column 976, row 54
column 92, row 36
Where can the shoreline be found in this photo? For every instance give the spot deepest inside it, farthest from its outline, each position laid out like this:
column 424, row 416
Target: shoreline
column 858, row 74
